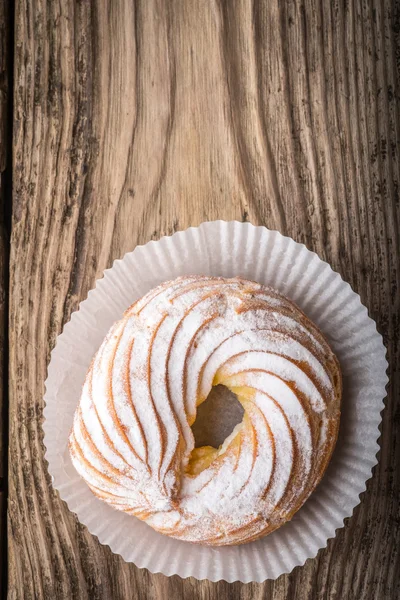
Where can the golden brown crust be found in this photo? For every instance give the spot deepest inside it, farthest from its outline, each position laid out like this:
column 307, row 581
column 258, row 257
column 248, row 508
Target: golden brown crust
column 131, row 440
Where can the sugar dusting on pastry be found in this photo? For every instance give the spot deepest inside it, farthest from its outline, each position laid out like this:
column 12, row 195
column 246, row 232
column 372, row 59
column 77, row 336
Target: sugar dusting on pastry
column 131, row 440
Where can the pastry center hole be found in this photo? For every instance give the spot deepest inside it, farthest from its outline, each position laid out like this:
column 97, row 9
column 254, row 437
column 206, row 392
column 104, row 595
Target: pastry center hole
column 217, row 417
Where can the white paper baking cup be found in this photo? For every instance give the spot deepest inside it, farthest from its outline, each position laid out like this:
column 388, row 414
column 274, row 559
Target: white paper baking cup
column 227, row 249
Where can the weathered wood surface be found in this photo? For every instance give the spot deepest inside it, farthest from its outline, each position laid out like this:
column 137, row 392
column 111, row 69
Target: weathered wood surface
column 133, row 119
column 5, row 166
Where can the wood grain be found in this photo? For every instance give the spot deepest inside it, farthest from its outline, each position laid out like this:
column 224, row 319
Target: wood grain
column 5, row 66
column 4, row 148
column 133, row 119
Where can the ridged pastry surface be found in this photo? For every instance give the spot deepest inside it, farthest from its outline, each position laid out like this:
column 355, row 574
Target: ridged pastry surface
column 132, row 441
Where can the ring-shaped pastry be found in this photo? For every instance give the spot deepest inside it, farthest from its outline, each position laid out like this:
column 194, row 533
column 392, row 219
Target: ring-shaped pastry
column 132, row 441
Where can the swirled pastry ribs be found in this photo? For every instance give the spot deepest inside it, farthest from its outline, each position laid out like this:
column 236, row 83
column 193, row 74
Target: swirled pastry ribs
column 132, row 441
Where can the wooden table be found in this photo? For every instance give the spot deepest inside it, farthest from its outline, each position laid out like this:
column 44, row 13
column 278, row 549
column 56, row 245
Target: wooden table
column 133, row 119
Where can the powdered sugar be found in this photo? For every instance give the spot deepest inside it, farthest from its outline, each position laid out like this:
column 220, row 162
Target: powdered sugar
column 134, row 438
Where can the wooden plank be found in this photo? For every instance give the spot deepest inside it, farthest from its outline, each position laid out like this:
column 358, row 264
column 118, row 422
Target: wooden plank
column 4, row 256
column 4, row 149
column 133, row 119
